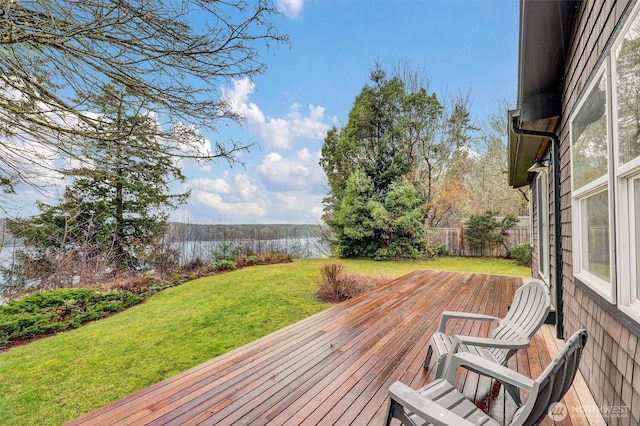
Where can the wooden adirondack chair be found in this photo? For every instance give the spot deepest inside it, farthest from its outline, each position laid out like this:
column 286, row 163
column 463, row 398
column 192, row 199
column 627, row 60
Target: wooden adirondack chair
column 528, row 311
column 440, row 403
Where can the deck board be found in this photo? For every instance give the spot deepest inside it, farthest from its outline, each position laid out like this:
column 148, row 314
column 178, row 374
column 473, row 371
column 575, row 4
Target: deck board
column 336, row 366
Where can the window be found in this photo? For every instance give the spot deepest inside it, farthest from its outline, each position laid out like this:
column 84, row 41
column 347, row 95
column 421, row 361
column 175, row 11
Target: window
column 605, row 168
column 542, row 200
column 589, row 138
column 590, row 145
column 595, row 211
column 627, row 74
column 629, row 244
column 626, row 80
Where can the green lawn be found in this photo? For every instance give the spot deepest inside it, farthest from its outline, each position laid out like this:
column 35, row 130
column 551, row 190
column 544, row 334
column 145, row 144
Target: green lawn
column 55, row 379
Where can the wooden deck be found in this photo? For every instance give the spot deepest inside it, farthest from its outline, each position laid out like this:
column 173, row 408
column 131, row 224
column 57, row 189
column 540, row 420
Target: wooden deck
column 336, row 366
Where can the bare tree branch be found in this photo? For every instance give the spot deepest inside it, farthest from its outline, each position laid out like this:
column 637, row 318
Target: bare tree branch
column 169, row 56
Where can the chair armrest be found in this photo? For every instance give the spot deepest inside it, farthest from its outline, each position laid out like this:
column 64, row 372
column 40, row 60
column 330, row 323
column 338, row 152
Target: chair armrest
column 424, row 407
column 447, row 315
column 487, row 368
column 486, row 342
column 481, row 342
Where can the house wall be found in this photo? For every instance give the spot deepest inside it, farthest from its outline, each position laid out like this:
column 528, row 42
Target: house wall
column 611, row 361
column 535, row 238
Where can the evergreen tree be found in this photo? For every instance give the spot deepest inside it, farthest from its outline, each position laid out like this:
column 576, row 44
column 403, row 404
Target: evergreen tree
column 398, row 221
column 352, row 222
column 364, row 162
column 486, row 228
column 372, row 140
column 116, row 204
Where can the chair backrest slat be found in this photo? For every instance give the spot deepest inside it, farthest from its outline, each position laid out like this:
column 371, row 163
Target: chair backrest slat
column 553, row 383
column 530, row 307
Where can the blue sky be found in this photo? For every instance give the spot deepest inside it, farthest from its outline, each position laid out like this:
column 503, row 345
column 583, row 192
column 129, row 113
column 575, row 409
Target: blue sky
column 309, row 86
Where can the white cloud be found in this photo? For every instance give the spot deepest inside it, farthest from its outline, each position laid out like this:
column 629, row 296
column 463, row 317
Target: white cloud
column 31, row 161
column 238, row 188
column 226, row 208
column 300, row 172
column 211, row 185
column 245, row 187
column 280, row 189
column 276, row 132
column 238, row 100
column 280, row 132
column 303, row 206
column 291, row 8
column 230, row 198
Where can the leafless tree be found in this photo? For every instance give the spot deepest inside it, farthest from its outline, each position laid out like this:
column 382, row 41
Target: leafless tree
column 169, row 56
column 489, row 184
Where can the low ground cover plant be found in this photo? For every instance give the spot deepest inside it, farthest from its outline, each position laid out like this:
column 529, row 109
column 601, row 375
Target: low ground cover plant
column 58, row 310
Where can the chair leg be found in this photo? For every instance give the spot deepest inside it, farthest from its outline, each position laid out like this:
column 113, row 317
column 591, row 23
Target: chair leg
column 396, row 410
column 514, row 392
column 389, row 416
column 428, row 358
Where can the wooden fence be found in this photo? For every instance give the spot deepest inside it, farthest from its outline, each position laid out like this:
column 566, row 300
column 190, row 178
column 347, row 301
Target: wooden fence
column 453, row 239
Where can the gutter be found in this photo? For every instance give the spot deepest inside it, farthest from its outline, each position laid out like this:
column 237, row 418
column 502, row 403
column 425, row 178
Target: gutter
column 556, row 213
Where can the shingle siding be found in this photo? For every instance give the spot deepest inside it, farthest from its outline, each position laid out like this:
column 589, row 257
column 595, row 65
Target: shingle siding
column 610, row 361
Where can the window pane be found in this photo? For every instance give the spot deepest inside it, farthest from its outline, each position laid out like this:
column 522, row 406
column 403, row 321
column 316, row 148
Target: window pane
column 628, row 93
column 636, row 209
column 589, row 137
column 595, row 211
column 543, row 224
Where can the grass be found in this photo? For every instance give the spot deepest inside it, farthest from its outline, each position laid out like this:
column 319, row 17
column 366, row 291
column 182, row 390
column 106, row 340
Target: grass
column 58, row 378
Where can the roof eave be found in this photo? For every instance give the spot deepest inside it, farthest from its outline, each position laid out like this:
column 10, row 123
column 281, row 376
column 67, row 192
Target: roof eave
column 545, row 34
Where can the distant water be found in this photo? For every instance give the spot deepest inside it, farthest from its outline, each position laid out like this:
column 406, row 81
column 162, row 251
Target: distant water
column 310, row 247
column 188, row 251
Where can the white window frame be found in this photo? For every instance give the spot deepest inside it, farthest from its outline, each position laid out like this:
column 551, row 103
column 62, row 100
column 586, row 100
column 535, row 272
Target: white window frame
column 625, row 175
column 628, row 255
column 542, row 225
column 597, row 284
column 619, row 181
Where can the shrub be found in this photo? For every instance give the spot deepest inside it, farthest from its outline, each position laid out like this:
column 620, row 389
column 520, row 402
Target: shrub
column 224, row 265
column 397, row 251
column 277, row 257
column 57, row 310
column 251, row 260
column 263, row 259
column 161, row 258
column 337, row 285
column 194, row 265
column 485, row 228
column 137, row 284
column 225, row 252
column 436, row 250
column 521, row 254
